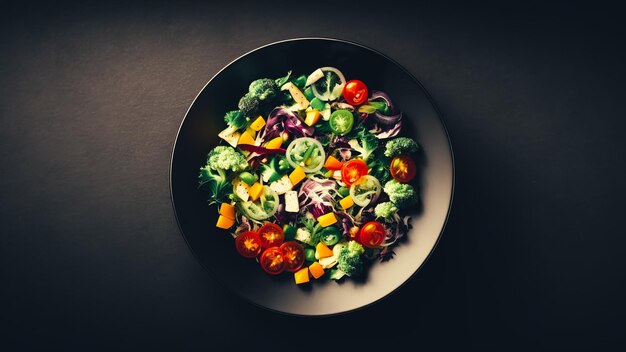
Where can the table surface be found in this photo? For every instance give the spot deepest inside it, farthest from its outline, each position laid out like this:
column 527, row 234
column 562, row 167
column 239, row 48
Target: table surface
column 91, row 100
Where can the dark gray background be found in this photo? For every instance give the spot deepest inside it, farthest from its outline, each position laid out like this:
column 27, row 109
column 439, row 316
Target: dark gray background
column 91, row 98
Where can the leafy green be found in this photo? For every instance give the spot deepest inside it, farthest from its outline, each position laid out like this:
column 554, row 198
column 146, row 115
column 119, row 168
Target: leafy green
column 312, row 227
column 379, row 166
column 214, row 174
column 365, row 143
column 236, row 119
column 282, row 80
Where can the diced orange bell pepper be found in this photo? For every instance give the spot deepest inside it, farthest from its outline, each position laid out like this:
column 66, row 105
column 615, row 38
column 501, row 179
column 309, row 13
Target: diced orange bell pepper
column 255, row 191
column 333, row 164
column 224, row 222
column 316, row 270
column 227, row 210
column 323, row 251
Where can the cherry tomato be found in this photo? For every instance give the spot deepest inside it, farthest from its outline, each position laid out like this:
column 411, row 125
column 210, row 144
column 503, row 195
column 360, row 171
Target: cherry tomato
column 372, row 234
column 272, row 261
column 402, row 168
column 271, row 235
column 355, row 92
column 353, row 170
column 248, row 244
column 293, row 255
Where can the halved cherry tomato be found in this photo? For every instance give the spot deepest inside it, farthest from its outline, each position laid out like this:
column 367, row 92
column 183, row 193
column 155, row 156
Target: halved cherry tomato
column 293, row 255
column 355, row 92
column 248, row 244
column 353, row 170
column 272, row 261
column 402, row 168
column 372, row 234
column 271, row 235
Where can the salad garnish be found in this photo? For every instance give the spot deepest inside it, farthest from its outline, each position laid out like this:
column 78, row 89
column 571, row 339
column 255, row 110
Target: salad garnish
column 313, row 177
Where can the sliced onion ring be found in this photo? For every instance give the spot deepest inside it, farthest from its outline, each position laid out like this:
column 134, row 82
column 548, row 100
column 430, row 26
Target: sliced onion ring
column 317, row 145
column 342, row 79
column 375, row 192
column 376, row 94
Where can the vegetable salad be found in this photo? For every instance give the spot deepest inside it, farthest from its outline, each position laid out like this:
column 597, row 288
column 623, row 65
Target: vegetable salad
column 313, row 177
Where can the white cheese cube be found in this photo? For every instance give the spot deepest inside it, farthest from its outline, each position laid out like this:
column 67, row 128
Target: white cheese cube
column 337, row 175
column 241, row 190
column 303, row 235
column 291, row 202
column 282, row 186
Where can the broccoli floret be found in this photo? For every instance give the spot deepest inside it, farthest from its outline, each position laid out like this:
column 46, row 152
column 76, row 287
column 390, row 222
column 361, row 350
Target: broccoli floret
column 367, row 146
column 349, row 260
column 260, row 93
column 249, row 105
column 236, row 119
column 401, row 145
column 403, row 195
column 386, row 210
column 263, row 88
column 220, row 160
column 225, row 157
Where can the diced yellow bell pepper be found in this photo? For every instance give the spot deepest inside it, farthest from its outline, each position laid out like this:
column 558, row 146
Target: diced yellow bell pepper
column 251, row 132
column 255, row 191
column 224, row 222
column 312, row 116
column 301, row 276
column 274, row 143
column 323, row 251
column 227, row 210
column 346, row 202
column 316, row 270
column 257, row 124
column 246, row 138
column 327, row 219
column 296, row 176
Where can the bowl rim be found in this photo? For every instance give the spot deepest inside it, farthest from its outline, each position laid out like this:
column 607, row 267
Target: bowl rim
column 437, row 112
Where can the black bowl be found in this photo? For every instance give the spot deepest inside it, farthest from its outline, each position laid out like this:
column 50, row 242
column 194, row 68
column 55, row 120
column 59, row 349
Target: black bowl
column 215, row 248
